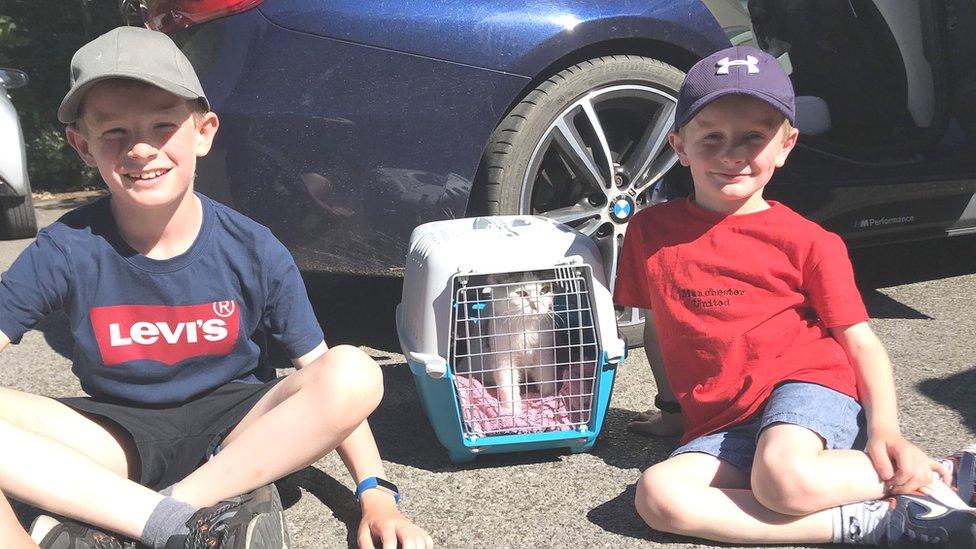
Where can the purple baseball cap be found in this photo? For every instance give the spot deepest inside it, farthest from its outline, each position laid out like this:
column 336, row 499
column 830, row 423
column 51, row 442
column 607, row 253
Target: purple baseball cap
column 741, row 70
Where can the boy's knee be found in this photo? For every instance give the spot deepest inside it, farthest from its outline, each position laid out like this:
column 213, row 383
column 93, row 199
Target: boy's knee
column 348, row 371
column 658, row 502
column 785, row 486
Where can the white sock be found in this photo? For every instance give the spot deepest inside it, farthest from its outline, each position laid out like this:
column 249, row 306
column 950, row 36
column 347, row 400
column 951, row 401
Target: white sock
column 860, row 523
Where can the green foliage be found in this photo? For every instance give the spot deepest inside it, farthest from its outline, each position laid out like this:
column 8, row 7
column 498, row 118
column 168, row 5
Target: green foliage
column 39, row 37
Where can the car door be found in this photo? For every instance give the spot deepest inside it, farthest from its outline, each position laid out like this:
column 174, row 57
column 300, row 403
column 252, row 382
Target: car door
column 890, row 90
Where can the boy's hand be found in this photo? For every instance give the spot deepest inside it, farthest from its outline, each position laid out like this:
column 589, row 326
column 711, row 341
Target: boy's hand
column 383, row 526
column 901, row 465
column 657, row 423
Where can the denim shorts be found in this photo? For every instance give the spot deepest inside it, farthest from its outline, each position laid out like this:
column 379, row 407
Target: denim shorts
column 837, row 418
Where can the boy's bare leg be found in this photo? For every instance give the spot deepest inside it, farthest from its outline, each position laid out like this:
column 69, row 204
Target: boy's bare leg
column 60, row 461
column 304, row 417
column 794, row 486
column 699, row 495
column 11, row 533
column 793, row 474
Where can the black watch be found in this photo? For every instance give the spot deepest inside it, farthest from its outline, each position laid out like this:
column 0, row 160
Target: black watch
column 668, row 406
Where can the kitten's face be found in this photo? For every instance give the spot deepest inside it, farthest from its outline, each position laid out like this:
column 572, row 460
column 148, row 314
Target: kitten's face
column 522, row 293
column 531, row 297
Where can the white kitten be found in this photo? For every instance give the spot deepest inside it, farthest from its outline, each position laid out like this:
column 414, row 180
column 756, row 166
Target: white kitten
column 520, row 337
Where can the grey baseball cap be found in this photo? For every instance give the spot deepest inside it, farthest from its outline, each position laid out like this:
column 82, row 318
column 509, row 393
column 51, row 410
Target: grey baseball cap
column 133, row 53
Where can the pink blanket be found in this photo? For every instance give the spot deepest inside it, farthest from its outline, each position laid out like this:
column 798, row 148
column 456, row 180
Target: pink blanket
column 570, row 407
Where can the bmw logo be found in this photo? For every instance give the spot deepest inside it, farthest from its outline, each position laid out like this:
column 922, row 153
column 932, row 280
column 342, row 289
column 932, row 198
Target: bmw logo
column 621, row 209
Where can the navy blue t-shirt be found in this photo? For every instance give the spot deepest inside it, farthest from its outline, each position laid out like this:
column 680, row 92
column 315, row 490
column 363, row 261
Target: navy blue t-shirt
column 150, row 331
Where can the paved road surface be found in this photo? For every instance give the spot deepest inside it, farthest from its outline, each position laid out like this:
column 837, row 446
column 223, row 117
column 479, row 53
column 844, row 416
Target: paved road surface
column 922, row 298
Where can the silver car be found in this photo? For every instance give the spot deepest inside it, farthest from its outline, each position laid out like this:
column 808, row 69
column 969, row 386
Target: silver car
column 17, row 218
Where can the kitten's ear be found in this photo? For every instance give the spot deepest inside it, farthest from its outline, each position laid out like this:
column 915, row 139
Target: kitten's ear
column 521, row 293
column 545, row 289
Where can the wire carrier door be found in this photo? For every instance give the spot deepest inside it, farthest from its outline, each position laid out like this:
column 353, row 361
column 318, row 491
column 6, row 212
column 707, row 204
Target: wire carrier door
column 524, row 351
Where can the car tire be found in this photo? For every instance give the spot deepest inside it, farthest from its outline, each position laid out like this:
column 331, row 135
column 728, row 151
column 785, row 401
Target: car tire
column 506, row 186
column 17, row 217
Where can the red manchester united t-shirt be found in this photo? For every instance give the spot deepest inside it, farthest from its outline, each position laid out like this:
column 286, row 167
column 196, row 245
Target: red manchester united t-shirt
column 741, row 303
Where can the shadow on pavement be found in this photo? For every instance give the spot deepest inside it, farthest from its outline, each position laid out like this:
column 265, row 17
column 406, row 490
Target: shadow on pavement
column 623, row 449
column 357, row 310
column 618, row 516
column 956, row 393
column 881, row 306
column 339, row 499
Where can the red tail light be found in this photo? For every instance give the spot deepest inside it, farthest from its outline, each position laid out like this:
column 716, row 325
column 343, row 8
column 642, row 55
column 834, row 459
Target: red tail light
column 173, row 15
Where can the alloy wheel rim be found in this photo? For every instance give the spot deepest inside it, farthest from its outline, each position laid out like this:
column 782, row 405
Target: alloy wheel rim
column 600, row 161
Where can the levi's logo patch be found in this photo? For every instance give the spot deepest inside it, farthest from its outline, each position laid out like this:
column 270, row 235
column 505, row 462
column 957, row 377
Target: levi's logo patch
column 165, row 333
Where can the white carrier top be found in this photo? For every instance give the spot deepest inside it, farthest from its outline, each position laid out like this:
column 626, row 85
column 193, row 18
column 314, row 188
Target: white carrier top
column 441, row 250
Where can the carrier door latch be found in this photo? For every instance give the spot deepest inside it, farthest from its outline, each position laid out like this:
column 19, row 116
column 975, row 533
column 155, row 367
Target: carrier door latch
column 435, row 366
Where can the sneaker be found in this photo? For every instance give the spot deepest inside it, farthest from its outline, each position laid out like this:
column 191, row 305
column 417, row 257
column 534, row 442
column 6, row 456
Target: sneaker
column 917, row 521
column 51, row 533
column 963, row 465
column 253, row 521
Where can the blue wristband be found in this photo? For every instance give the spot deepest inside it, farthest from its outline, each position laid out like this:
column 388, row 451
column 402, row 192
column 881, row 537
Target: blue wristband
column 377, row 482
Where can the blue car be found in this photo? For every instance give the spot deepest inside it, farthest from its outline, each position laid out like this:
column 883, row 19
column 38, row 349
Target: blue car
column 345, row 124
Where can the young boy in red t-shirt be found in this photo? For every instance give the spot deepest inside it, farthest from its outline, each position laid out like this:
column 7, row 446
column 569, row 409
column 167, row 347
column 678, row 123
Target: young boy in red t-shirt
column 767, row 348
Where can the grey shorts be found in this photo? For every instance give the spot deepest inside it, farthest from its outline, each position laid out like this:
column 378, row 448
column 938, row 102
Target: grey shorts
column 837, row 418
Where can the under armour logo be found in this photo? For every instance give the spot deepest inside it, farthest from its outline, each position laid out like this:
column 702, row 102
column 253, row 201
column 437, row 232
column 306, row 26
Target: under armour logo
column 750, row 61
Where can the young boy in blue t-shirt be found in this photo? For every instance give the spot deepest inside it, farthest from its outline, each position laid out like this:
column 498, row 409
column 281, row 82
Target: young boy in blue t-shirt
column 172, row 299
column 781, row 382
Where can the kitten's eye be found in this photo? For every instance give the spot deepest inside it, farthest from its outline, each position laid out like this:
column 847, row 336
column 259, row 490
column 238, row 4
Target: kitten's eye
column 521, row 293
column 545, row 289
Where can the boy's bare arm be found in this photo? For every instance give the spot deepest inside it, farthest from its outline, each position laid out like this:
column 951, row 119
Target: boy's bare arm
column 381, row 518
column 308, row 357
column 901, row 465
column 653, row 350
column 657, row 422
column 4, row 341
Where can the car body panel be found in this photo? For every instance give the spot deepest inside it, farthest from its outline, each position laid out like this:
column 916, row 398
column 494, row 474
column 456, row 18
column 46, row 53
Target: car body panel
column 506, row 35
column 353, row 161
column 13, row 154
column 869, row 204
column 344, row 125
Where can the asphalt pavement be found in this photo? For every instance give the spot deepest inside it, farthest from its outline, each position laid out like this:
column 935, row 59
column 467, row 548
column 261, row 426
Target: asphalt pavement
column 921, row 296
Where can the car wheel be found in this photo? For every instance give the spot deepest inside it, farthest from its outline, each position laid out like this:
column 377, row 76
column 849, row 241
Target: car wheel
column 588, row 147
column 17, row 218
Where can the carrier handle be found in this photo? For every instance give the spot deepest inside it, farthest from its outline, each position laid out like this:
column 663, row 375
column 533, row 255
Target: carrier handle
column 571, row 260
column 435, row 366
column 489, row 222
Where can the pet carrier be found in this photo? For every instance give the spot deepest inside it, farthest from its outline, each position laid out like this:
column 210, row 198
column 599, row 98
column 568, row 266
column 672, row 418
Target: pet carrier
column 510, row 333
